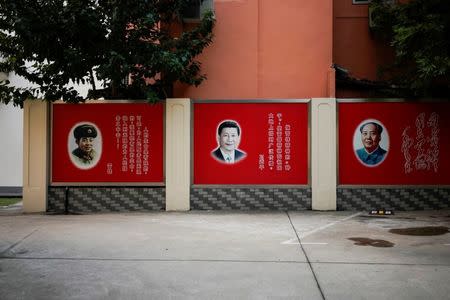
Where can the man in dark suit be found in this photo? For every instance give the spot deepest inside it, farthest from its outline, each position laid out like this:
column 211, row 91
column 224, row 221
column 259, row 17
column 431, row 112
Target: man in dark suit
column 228, row 136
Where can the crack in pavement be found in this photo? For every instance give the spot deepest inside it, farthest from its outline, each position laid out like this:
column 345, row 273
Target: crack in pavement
column 2, row 254
column 307, row 258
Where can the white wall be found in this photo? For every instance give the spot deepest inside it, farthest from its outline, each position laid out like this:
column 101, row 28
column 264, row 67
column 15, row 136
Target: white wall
column 11, row 140
column 11, row 136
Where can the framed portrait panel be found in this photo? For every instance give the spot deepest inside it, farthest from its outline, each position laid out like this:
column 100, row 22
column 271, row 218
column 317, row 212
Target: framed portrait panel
column 107, row 143
column 250, row 143
column 393, row 143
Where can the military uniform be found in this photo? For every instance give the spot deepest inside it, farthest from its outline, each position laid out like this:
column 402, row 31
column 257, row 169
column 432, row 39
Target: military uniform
column 82, row 157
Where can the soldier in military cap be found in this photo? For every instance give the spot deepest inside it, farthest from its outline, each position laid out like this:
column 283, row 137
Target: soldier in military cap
column 84, row 137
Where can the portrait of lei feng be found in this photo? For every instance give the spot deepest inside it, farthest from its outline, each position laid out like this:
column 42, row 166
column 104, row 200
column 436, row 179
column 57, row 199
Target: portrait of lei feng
column 85, row 156
column 372, row 135
column 228, row 138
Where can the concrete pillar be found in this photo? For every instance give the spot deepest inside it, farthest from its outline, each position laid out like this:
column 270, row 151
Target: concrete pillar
column 35, row 155
column 178, row 154
column 323, row 153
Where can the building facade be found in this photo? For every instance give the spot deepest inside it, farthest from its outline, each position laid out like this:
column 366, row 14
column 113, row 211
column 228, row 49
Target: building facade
column 302, row 138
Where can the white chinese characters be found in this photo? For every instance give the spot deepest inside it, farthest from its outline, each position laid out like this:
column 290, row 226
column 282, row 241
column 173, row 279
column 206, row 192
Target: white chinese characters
column 425, row 145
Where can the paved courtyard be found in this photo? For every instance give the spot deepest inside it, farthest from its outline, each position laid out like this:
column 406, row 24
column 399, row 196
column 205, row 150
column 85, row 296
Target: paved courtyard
column 225, row 255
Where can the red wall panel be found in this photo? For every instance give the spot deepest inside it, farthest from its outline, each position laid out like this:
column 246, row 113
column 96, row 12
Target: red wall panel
column 274, row 137
column 414, row 135
column 129, row 143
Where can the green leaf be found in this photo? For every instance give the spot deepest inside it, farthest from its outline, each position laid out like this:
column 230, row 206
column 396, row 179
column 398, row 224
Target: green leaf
column 54, row 44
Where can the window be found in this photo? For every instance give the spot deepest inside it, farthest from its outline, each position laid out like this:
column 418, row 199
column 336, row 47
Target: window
column 196, row 10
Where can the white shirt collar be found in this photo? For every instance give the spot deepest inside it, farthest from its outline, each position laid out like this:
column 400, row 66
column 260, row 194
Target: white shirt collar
column 225, row 155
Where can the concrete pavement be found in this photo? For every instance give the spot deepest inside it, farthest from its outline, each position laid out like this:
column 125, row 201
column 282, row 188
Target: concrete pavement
column 225, row 255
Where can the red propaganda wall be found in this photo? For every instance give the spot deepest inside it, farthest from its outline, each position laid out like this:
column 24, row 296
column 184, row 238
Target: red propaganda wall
column 128, row 147
column 273, row 139
column 414, row 136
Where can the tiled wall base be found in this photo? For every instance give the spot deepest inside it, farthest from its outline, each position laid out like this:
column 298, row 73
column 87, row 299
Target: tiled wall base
column 393, row 198
column 250, row 199
column 106, row 199
column 127, row 199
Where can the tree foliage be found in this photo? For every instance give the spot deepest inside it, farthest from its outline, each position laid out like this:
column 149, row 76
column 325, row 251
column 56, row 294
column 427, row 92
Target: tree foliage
column 131, row 46
column 419, row 31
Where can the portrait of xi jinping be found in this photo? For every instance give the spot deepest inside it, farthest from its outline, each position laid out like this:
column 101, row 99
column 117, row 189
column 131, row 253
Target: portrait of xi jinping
column 228, row 138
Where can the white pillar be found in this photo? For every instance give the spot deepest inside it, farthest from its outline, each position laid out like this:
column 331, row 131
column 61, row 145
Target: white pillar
column 35, row 155
column 178, row 154
column 323, row 153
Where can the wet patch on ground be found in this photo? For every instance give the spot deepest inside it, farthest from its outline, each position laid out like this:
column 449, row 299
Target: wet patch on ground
column 421, row 231
column 361, row 241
